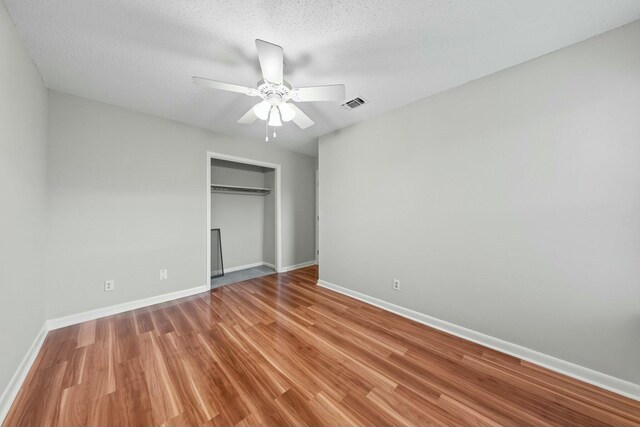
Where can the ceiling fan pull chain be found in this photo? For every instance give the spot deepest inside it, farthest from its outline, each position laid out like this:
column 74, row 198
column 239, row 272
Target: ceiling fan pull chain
column 266, row 131
column 274, row 132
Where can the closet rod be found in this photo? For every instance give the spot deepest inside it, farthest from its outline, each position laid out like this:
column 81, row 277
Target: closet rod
column 235, row 189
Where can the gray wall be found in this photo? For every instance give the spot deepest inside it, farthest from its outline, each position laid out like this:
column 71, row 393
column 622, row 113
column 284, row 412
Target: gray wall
column 23, row 137
column 239, row 217
column 127, row 196
column 509, row 205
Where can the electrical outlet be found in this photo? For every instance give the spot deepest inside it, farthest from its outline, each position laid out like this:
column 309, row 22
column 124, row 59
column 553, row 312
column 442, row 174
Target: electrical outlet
column 396, row 284
column 163, row 275
column 109, row 285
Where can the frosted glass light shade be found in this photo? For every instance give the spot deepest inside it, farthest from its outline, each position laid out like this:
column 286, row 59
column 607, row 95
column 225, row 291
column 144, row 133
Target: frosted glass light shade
column 274, row 117
column 262, row 110
column 286, row 112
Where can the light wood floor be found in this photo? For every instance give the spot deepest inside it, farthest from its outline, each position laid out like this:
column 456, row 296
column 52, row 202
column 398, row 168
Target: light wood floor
column 279, row 350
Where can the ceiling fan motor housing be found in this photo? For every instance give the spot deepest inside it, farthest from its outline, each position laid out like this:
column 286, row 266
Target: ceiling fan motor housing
column 274, row 93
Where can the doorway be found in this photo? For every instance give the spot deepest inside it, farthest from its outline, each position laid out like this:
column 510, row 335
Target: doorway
column 243, row 206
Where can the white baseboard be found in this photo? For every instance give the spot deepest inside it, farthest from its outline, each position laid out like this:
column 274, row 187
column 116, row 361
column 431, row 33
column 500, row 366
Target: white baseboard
column 73, row 319
column 11, row 391
column 19, row 376
column 266, row 264
column 608, row 382
column 297, row 266
column 599, row 379
column 243, row 267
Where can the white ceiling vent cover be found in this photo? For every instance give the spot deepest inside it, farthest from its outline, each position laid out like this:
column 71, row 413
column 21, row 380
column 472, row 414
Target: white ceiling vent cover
column 354, row 103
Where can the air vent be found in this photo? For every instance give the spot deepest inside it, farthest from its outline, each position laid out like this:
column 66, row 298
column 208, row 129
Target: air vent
column 354, row 103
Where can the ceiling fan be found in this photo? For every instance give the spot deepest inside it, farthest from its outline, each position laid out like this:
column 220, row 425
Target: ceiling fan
column 276, row 92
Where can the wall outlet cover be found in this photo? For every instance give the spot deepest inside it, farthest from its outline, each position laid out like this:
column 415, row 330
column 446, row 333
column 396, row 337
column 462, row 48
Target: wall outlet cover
column 109, row 285
column 396, row 284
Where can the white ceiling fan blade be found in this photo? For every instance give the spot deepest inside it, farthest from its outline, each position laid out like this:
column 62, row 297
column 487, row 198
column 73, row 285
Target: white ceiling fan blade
column 229, row 87
column 248, row 118
column 301, row 119
column 271, row 61
column 318, row 93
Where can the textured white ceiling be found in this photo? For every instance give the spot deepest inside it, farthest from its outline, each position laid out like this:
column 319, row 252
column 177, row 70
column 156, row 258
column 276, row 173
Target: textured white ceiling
column 141, row 54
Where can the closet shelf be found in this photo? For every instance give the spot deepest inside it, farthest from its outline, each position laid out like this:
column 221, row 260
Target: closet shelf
column 234, row 189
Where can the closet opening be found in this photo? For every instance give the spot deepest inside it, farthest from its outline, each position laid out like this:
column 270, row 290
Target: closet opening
column 243, row 219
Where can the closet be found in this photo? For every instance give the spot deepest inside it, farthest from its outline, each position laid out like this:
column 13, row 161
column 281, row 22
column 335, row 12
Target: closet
column 243, row 222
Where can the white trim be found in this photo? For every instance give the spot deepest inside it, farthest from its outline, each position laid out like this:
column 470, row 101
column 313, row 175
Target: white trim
column 73, row 319
column 317, row 218
column 11, row 391
column 608, row 382
column 271, row 266
column 243, row 267
column 296, row 266
column 278, row 219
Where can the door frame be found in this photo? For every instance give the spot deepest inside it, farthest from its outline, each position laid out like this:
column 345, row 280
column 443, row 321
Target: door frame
column 317, row 218
column 278, row 184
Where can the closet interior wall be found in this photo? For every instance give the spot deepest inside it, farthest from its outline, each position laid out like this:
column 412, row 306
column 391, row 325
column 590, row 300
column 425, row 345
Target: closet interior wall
column 246, row 222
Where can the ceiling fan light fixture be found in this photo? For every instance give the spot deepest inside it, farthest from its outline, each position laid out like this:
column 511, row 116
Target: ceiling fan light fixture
column 276, row 92
column 286, row 112
column 262, row 110
column 274, row 117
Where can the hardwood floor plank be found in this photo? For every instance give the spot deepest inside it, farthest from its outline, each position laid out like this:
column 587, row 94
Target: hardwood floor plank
column 87, row 334
column 560, row 398
column 279, row 350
